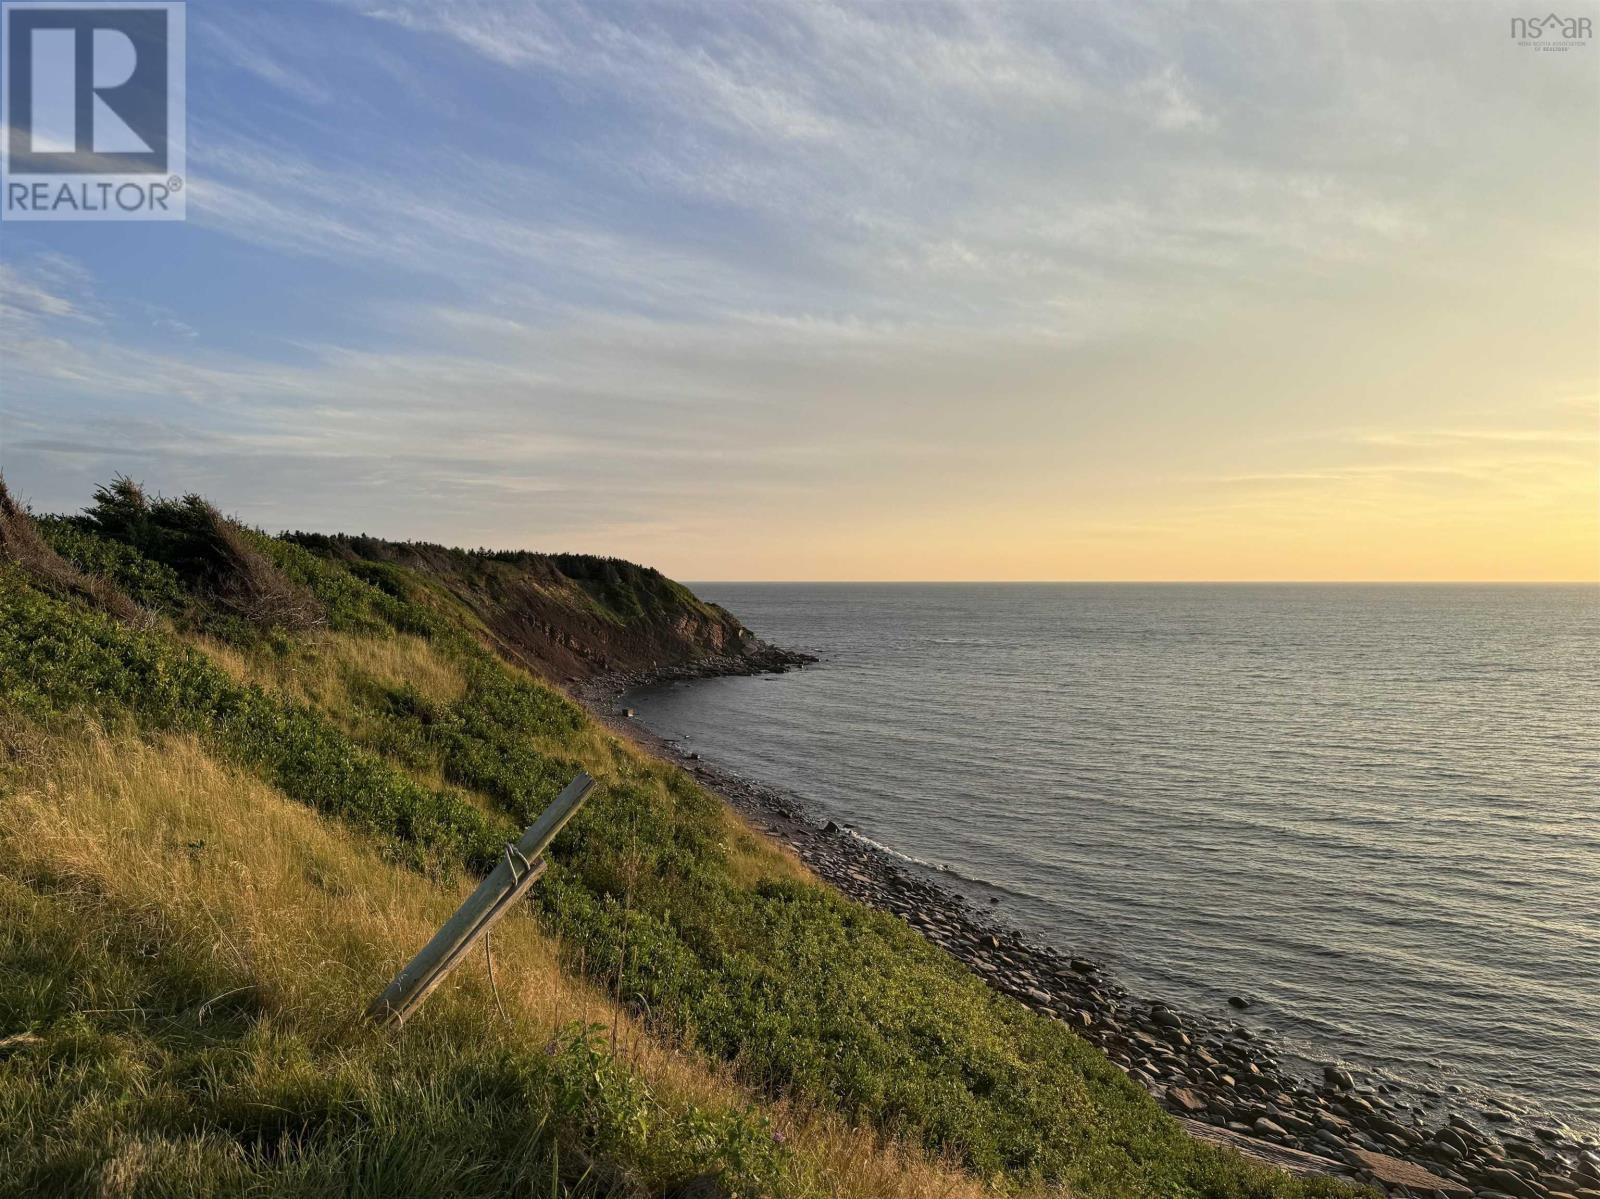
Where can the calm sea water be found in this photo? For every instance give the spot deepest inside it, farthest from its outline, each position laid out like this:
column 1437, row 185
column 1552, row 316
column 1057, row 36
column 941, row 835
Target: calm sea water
column 1374, row 810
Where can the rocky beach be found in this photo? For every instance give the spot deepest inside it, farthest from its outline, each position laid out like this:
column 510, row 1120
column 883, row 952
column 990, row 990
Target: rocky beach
column 1225, row 1082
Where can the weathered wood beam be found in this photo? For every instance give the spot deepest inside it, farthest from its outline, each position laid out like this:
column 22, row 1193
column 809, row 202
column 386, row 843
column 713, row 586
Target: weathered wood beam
column 519, row 867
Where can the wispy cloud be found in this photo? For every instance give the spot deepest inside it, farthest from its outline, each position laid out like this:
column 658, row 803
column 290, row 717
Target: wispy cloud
column 935, row 162
column 692, row 269
column 243, row 46
column 47, row 287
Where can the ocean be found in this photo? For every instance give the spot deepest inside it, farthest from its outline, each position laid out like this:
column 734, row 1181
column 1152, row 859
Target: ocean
column 1374, row 811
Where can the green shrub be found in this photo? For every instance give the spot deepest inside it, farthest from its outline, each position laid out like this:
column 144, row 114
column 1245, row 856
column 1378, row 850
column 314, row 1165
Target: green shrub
column 148, row 583
column 354, row 602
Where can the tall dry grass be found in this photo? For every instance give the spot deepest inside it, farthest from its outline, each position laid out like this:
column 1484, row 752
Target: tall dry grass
column 278, row 918
column 322, row 670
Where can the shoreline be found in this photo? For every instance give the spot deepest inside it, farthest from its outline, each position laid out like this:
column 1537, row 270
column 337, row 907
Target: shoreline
column 1224, row 1083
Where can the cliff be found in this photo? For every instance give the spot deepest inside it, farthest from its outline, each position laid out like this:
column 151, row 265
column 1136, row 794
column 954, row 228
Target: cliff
column 575, row 617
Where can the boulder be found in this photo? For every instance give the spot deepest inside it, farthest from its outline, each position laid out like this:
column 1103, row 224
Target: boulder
column 1392, row 1172
column 1338, row 1078
column 1511, row 1183
column 1449, row 1136
column 1185, row 1100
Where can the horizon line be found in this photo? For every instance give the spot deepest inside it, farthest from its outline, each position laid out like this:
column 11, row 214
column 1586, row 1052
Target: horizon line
column 1158, row 582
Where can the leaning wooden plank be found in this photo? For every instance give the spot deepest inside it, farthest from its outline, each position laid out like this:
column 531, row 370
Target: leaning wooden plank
column 510, row 878
column 424, row 986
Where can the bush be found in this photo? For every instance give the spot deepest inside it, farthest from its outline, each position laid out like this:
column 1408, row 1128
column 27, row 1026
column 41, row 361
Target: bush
column 214, row 556
column 149, row 584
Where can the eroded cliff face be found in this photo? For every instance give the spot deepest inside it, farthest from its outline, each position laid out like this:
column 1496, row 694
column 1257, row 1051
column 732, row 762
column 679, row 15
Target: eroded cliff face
column 574, row 618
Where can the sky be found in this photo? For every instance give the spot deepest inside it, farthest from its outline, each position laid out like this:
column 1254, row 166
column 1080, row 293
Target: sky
column 776, row 290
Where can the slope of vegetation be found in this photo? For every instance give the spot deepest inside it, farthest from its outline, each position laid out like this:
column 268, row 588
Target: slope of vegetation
column 565, row 616
column 181, row 952
column 296, row 672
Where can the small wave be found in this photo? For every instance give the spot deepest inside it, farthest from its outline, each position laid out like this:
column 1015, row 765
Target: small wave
column 904, row 857
column 940, row 867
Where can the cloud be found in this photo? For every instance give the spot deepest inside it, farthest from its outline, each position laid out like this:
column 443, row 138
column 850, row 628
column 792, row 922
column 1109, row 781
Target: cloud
column 688, row 266
column 1171, row 101
column 49, row 287
column 177, row 328
column 244, row 45
column 1444, row 471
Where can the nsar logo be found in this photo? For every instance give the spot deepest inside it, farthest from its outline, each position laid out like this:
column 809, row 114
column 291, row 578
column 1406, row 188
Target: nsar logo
column 1551, row 32
column 93, row 112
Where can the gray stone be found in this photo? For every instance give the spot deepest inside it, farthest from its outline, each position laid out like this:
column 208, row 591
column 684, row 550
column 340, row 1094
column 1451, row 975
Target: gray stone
column 1338, row 1078
column 1510, row 1182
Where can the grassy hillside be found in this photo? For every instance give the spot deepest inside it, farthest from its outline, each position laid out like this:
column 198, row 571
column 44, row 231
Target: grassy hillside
column 244, row 777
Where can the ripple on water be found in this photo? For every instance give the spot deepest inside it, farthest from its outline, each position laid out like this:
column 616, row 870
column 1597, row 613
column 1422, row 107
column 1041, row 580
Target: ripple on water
column 1371, row 808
